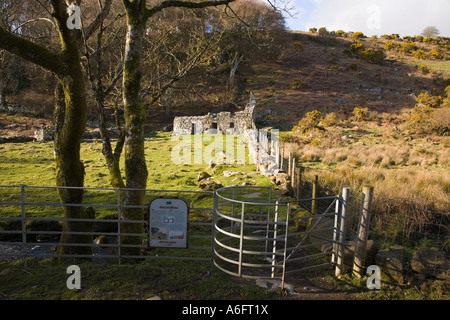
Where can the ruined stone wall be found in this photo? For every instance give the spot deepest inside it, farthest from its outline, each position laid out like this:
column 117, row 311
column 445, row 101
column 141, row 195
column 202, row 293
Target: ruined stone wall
column 224, row 122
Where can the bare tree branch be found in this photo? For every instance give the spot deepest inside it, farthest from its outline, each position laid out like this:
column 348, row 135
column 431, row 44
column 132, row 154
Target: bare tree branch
column 185, row 4
column 30, row 51
column 89, row 30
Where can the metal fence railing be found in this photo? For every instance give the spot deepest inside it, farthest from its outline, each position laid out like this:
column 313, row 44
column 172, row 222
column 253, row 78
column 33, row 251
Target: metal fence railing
column 32, row 218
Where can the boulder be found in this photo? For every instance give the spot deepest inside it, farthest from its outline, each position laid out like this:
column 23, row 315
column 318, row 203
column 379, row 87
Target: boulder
column 286, row 190
column 430, row 262
column 202, row 175
column 391, row 263
column 209, row 185
column 349, row 254
column 280, row 178
column 228, row 173
column 322, row 231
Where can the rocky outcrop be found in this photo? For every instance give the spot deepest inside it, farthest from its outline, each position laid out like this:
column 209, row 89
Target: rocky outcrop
column 391, row 263
column 431, row 262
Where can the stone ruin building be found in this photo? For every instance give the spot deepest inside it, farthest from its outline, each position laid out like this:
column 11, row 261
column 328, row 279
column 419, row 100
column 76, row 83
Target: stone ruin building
column 223, row 122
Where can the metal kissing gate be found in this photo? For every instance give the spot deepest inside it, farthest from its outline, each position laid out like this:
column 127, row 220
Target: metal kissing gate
column 272, row 239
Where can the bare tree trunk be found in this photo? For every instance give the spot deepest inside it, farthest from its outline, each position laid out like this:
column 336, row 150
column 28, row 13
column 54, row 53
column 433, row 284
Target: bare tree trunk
column 2, row 96
column 135, row 166
column 234, row 65
column 70, row 171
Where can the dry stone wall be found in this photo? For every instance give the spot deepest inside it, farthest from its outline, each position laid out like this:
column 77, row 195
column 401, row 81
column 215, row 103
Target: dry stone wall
column 223, row 122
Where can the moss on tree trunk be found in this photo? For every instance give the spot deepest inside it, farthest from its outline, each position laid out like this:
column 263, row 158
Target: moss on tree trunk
column 135, row 167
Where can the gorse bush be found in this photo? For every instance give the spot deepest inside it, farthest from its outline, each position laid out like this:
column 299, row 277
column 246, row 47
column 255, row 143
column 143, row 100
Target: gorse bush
column 425, row 100
column 358, row 35
column 408, row 47
column 390, row 45
column 356, row 47
column 309, row 122
column 367, row 54
column 372, row 56
column 360, row 113
column 433, row 54
column 340, row 33
column 419, row 54
column 298, row 46
column 323, row 31
column 423, row 68
column 297, row 84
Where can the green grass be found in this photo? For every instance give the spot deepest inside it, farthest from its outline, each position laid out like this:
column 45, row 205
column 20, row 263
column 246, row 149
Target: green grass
column 32, row 164
column 442, row 66
column 169, row 280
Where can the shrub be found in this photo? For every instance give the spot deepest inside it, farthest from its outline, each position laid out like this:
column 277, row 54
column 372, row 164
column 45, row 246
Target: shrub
column 358, row 35
column 340, row 33
column 323, row 31
column 313, row 30
column 331, row 119
column 298, row 46
column 425, row 100
column 446, row 101
column 423, row 68
column 427, row 120
column 352, row 67
column 356, row 47
column 434, row 55
column 408, row 47
column 419, row 54
column 360, row 113
column 288, row 137
column 372, row 56
column 309, row 122
column 390, row 45
column 297, row 84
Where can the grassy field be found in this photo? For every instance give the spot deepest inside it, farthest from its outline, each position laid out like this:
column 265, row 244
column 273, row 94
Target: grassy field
column 32, row 164
column 442, row 66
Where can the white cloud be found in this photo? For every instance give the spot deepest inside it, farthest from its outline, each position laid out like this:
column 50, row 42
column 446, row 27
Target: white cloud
column 405, row 17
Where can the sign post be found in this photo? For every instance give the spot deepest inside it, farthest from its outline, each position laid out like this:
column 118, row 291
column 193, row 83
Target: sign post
column 168, row 223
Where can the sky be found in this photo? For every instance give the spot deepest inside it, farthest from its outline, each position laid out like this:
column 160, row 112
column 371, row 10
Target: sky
column 404, row 17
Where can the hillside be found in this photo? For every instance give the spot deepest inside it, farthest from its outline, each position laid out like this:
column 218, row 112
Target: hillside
column 331, row 80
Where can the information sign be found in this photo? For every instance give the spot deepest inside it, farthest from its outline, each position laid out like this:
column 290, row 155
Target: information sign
column 168, row 223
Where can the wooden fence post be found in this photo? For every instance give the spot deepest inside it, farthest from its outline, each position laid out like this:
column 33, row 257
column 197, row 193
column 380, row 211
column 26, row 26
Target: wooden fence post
column 293, row 173
column 282, row 159
column 363, row 232
column 314, row 194
column 289, row 165
column 299, row 182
